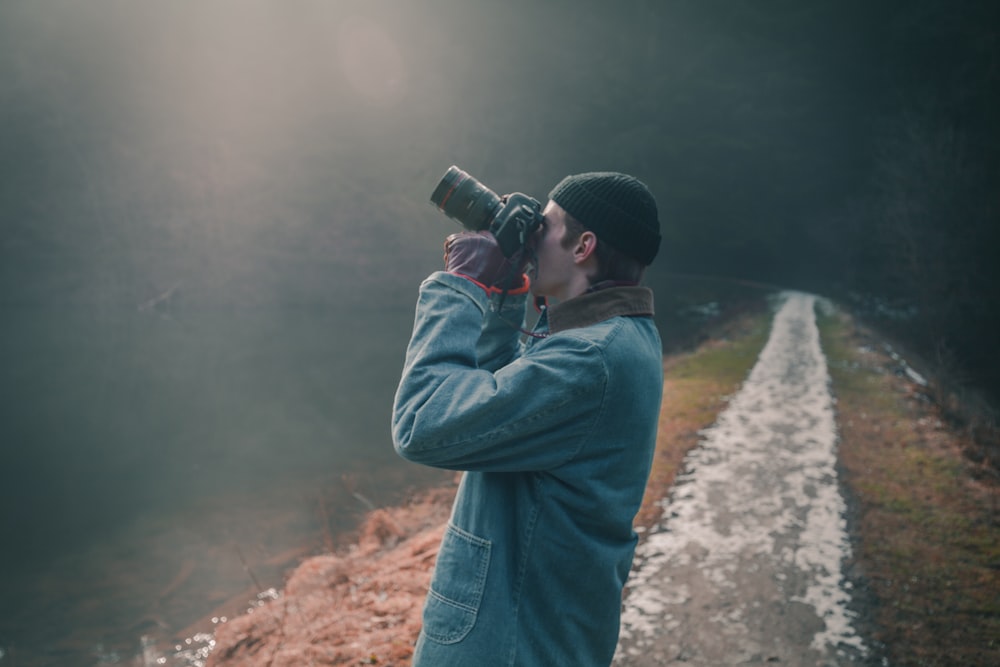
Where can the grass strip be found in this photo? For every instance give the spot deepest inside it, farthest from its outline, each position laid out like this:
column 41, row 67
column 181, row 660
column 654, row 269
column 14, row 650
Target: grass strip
column 927, row 531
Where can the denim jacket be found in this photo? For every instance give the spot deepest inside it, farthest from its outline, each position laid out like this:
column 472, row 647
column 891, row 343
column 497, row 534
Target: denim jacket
column 557, row 437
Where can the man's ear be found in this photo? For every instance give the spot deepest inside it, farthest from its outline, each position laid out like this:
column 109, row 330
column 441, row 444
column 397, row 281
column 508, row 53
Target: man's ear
column 584, row 247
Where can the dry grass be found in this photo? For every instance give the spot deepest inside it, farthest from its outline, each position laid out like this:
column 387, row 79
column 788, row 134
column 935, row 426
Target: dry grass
column 359, row 606
column 926, row 518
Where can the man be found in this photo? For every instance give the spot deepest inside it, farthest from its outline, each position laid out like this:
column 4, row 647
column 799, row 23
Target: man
column 556, row 434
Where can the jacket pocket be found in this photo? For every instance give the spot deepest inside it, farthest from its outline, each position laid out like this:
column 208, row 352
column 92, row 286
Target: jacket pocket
column 457, row 586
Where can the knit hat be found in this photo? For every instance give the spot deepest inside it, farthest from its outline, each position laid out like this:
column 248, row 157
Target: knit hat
column 618, row 208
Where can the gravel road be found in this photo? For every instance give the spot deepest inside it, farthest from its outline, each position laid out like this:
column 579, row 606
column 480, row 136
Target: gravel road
column 745, row 565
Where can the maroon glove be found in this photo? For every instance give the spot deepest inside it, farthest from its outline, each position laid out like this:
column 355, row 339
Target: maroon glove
column 477, row 256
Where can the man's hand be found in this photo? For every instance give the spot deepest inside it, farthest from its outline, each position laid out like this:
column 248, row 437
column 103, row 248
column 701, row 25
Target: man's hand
column 477, row 256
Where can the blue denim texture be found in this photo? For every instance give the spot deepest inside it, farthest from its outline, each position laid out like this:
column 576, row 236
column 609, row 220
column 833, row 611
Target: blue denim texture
column 557, row 438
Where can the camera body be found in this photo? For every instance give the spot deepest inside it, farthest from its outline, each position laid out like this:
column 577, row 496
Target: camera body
column 512, row 219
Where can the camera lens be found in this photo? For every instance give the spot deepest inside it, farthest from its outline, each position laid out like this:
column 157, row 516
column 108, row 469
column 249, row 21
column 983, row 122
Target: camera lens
column 463, row 198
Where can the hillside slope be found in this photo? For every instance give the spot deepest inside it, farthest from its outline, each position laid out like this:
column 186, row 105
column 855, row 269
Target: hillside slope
column 924, row 522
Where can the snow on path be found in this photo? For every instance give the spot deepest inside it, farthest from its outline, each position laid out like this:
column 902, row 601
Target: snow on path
column 745, row 565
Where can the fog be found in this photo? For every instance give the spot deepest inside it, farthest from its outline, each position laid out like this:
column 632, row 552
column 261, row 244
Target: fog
column 272, row 153
column 262, row 152
column 227, row 146
column 214, row 215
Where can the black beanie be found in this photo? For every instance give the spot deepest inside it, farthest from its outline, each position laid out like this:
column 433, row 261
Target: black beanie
column 618, row 208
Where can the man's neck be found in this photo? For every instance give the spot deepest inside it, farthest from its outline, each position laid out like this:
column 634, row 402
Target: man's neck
column 578, row 284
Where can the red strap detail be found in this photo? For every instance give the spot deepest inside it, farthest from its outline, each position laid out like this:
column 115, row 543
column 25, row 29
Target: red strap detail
column 496, row 290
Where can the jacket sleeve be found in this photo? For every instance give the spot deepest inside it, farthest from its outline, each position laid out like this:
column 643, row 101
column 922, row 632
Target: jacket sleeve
column 499, row 339
column 533, row 413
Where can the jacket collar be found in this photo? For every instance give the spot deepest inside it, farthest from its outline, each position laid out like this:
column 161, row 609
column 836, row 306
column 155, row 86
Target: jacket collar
column 597, row 306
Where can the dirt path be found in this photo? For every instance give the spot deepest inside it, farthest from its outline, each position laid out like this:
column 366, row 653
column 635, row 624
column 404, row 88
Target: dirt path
column 745, row 566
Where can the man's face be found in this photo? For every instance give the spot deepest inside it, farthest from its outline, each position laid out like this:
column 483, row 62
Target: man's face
column 554, row 264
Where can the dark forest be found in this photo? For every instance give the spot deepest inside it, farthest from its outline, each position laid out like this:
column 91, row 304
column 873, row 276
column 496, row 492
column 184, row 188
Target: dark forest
column 232, row 155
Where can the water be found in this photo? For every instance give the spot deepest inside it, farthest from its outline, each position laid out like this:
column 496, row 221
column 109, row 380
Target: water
column 159, row 465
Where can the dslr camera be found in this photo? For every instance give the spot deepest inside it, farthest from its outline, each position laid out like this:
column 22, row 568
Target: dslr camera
column 512, row 219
